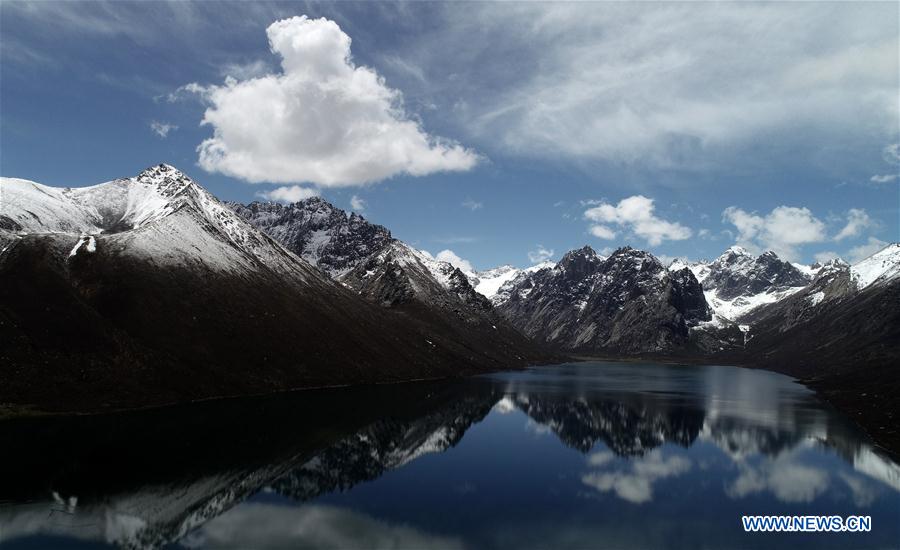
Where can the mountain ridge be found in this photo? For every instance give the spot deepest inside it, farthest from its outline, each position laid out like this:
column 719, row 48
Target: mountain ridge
column 192, row 302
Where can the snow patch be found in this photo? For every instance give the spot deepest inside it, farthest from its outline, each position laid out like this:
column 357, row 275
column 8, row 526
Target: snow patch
column 816, row 299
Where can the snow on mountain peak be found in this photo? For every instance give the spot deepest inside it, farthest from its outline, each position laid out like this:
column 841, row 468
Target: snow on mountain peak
column 881, row 266
column 160, row 212
column 737, row 250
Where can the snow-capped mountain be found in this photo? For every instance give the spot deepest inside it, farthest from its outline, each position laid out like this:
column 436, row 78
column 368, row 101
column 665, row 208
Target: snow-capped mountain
column 148, row 290
column 325, row 236
column 879, row 268
column 737, row 282
column 160, row 214
column 365, row 258
column 626, row 303
column 339, row 243
column 399, row 274
column 495, row 284
column 846, row 318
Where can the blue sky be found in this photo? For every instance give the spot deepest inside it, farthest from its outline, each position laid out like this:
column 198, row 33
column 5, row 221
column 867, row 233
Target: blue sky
column 492, row 130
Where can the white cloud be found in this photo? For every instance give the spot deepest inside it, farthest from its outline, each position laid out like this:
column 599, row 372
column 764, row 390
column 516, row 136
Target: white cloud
column 472, row 205
column 782, row 230
column 162, row 129
column 886, row 178
column 451, row 258
column 636, row 485
column 293, row 193
column 632, row 82
column 857, row 221
column 322, row 120
column 863, row 251
column 600, row 458
column 636, row 215
column 787, row 480
column 357, row 204
column 602, row 232
column 540, row 254
column 244, row 71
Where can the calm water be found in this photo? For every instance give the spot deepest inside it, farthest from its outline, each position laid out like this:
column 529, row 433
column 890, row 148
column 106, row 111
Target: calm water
column 589, row 455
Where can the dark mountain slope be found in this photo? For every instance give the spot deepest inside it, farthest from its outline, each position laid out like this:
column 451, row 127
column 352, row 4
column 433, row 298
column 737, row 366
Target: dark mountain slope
column 627, row 303
column 184, row 300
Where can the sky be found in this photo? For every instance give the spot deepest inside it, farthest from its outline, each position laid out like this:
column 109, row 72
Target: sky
column 492, row 133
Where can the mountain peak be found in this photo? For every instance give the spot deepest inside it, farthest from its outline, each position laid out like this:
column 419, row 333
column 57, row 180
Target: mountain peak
column 584, row 252
column 736, row 250
column 161, row 171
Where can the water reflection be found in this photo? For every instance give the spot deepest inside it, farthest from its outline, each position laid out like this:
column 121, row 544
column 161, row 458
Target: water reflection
column 638, row 454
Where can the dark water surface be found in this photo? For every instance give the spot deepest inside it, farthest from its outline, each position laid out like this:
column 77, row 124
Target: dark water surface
column 588, row 455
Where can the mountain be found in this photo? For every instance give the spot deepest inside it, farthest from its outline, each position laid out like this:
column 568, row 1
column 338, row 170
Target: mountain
column 845, row 319
column 148, row 290
column 738, row 282
column 324, row 236
column 365, row 258
column 627, row 303
column 496, row 284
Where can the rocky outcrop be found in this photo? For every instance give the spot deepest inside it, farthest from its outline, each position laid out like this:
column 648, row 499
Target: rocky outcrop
column 626, row 303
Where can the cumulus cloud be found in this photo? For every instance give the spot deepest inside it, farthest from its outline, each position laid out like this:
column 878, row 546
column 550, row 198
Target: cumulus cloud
column 453, row 259
column 603, row 232
column 635, row 485
column 472, row 205
column 782, row 230
column 357, row 204
column 162, row 129
column 635, row 214
column 322, row 119
column 863, row 251
column 540, row 254
column 293, row 193
column 857, row 221
column 787, row 480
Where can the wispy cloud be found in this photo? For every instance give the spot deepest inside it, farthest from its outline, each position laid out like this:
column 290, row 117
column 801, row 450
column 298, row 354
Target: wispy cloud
column 292, row 193
column 162, row 129
column 472, row 205
column 455, row 240
column 540, row 254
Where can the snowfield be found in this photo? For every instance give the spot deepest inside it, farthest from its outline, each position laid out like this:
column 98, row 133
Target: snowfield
column 160, row 214
column 884, row 265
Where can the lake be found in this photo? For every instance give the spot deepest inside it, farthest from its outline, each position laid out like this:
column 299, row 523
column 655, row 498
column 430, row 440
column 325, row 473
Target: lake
column 582, row 455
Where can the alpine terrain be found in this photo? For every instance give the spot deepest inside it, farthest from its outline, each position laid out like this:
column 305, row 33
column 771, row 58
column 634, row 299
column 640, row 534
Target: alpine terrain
column 148, row 290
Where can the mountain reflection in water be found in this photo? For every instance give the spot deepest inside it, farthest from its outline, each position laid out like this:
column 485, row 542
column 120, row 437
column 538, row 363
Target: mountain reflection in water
column 578, row 455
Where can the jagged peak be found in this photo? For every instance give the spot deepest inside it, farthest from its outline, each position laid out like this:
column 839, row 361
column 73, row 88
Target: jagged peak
column 633, row 252
column 161, row 171
column 584, row 252
column 737, row 250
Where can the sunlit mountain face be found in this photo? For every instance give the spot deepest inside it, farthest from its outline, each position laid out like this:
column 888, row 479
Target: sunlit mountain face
column 501, row 460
